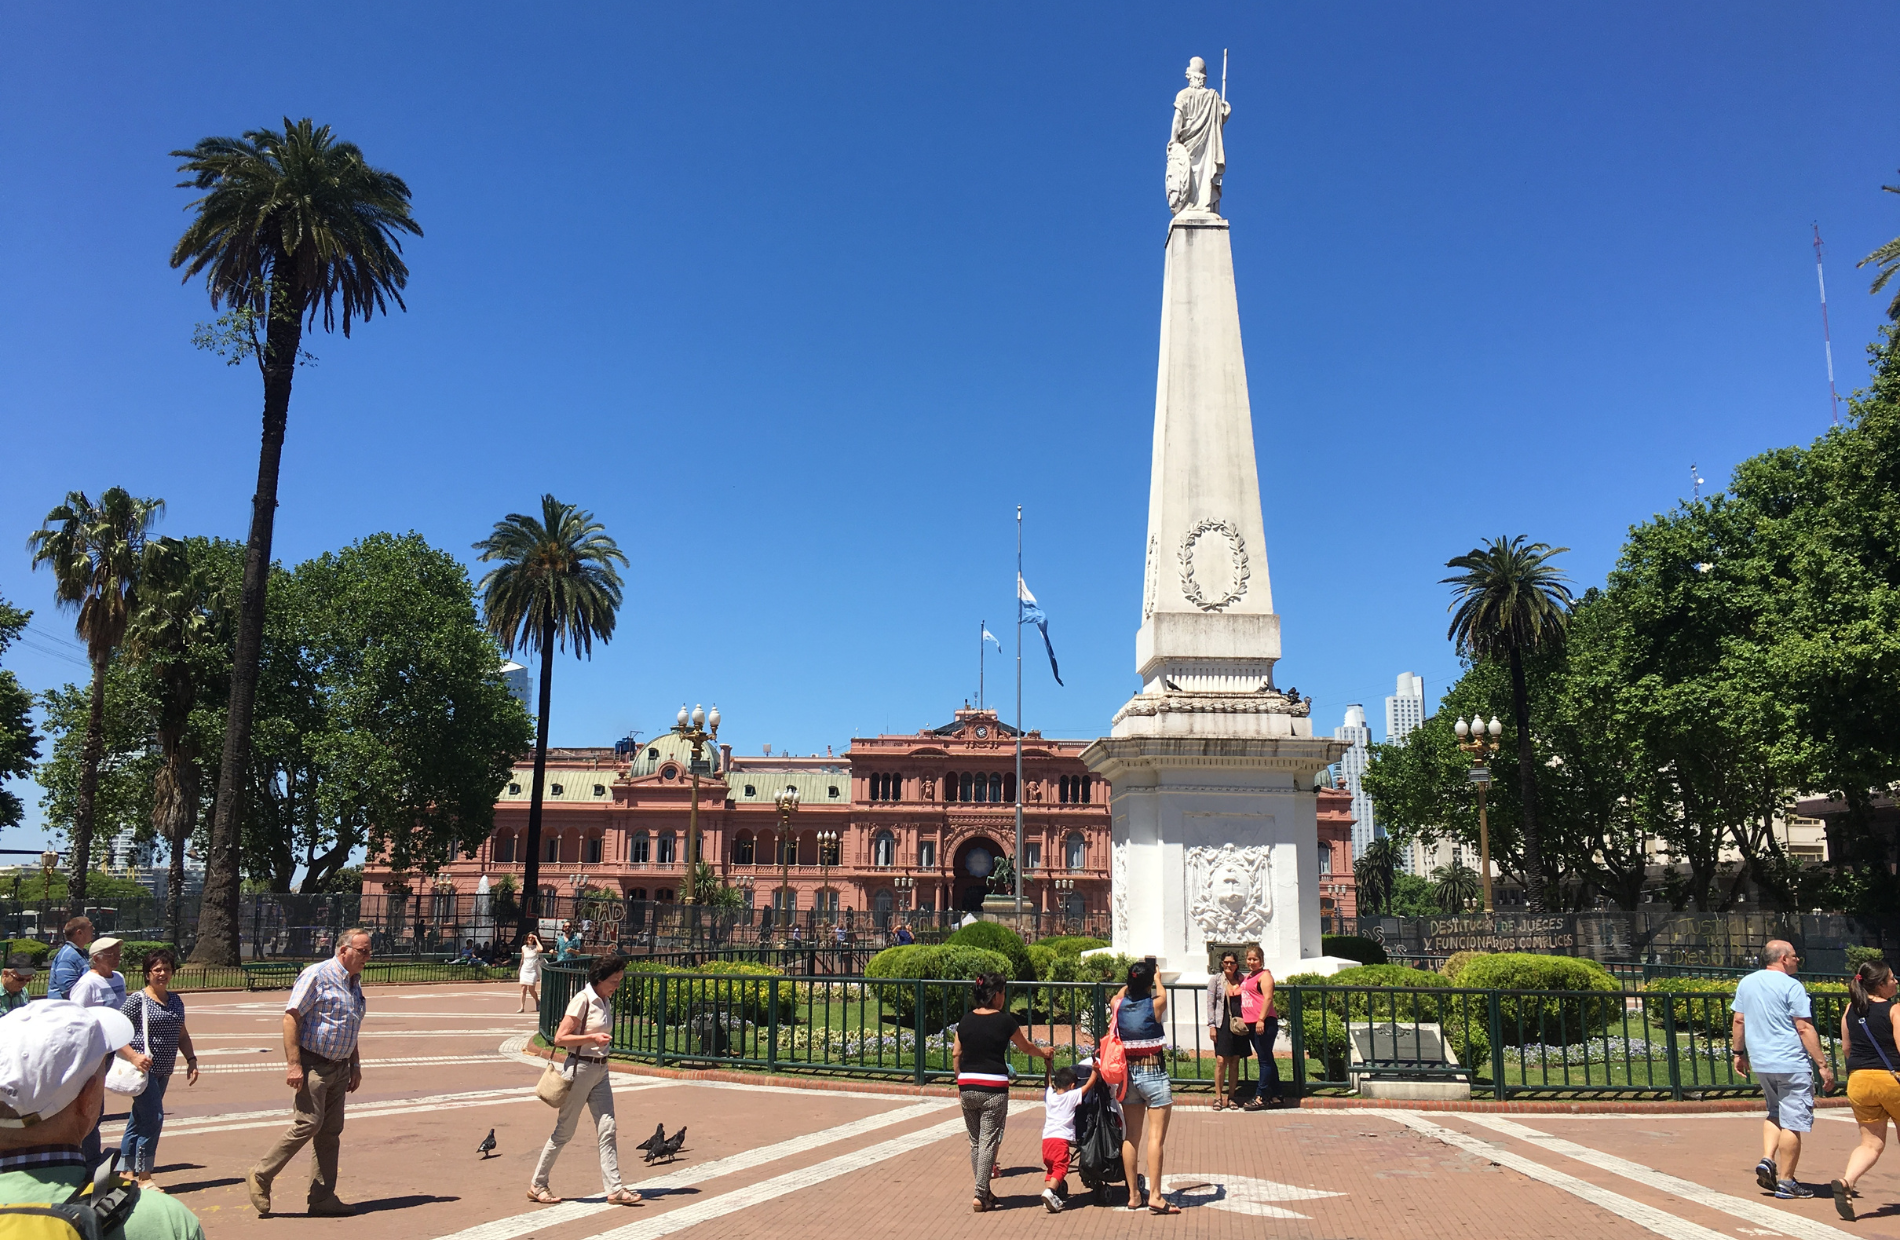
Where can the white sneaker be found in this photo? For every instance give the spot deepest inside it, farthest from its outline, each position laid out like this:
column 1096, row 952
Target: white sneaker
column 1053, row 1202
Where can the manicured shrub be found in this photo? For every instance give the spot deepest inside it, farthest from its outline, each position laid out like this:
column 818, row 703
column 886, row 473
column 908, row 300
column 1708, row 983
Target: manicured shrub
column 1353, row 947
column 1455, row 964
column 992, row 937
column 944, row 1005
column 1043, row 960
column 29, row 947
column 1858, row 956
column 1402, row 996
column 1548, row 1019
column 1071, row 944
column 1700, row 1003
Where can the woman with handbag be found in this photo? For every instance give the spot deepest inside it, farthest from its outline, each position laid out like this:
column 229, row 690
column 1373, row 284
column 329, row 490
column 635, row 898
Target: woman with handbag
column 586, row 1032
column 1262, row 1022
column 1231, row 1038
column 1873, row 1081
column 159, row 1037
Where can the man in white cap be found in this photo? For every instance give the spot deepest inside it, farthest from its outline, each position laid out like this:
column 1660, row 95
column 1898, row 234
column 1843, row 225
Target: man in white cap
column 102, row 985
column 53, row 1059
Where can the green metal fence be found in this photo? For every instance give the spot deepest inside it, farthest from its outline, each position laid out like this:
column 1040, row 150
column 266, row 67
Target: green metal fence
column 1506, row 1043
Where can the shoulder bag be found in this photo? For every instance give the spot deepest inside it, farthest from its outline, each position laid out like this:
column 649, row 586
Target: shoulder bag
column 558, row 1078
column 1111, row 1059
column 1875, row 1043
column 125, row 1078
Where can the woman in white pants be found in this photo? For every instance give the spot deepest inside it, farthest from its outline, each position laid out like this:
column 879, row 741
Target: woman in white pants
column 586, row 1031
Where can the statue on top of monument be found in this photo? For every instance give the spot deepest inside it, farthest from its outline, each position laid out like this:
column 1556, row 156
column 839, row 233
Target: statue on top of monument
column 1196, row 155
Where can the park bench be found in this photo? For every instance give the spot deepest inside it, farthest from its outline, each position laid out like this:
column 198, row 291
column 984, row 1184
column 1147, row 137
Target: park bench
column 271, row 974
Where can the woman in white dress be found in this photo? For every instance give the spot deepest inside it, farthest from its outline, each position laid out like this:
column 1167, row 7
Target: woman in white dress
column 531, row 951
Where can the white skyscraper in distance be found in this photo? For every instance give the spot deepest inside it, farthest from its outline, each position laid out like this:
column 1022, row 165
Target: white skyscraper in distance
column 1352, row 765
column 1405, row 709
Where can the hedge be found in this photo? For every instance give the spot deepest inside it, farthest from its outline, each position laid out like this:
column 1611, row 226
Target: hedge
column 1353, row 947
column 1070, row 944
column 1455, row 963
column 29, row 947
column 1712, row 1015
column 1323, row 1017
column 1530, row 1019
column 992, row 937
column 943, row 1005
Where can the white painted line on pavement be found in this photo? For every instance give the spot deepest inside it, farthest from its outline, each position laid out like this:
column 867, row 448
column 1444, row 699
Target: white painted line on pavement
column 1741, row 1207
column 415, row 1061
column 1647, row 1216
column 792, row 1181
column 584, row 1207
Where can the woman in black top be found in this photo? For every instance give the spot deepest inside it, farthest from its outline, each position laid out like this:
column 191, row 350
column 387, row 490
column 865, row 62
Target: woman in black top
column 1873, row 1084
column 1223, row 1013
column 980, row 1056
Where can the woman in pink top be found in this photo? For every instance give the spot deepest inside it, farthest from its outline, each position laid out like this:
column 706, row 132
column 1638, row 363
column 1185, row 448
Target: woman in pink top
column 1257, row 1010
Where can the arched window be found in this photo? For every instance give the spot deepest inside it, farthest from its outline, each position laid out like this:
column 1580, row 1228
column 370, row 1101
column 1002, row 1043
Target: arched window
column 963, row 786
column 505, row 848
column 996, row 786
column 664, row 895
column 742, row 849
column 826, row 901
column 1009, row 786
column 642, row 848
column 883, row 849
column 883, row 904
column 667, row 844
column 593, row 849
column 1075, row 852
column 552, row 848
column 637, row 893
column 1074, row 907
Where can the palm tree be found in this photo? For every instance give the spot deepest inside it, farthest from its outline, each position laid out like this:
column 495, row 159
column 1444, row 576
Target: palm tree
column 1372, row 874
column 95, row 552
column 1887, row 258
column 1509, row 600
column 179, row 629
column 1456, row 886
column 554, row 583
column 291, row 224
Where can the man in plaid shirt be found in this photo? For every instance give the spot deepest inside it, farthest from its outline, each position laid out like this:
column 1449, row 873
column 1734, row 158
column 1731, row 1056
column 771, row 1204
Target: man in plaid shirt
column 321, row 1021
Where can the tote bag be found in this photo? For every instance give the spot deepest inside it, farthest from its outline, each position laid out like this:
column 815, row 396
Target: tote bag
column 124, row 1078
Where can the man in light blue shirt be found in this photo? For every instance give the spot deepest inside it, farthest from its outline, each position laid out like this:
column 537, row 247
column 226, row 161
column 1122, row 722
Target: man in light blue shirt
column 1772, row 1038
column 70, row 962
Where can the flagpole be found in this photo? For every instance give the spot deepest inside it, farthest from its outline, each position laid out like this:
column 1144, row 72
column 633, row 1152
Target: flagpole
column 982, row 627
column 1019, row 717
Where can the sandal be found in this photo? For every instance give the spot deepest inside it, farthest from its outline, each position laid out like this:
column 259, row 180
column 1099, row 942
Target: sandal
column 1166, row 1207
column 1220, row 1104
column 624, row 1197
column 543, row 1196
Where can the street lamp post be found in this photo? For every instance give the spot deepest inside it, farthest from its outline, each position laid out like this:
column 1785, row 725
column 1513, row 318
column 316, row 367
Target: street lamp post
column 1480, row 740
column 827, row 840
column 697, row 733
column 787, row 806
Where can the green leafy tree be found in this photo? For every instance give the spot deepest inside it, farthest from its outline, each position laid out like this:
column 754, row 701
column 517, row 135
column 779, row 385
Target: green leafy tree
column 95, row 552
column 1456, row 887
column 1412, row 896
column 554, row 583
column 120, row 755
column 1509, row 601
column 292, row 226
column 19, row 745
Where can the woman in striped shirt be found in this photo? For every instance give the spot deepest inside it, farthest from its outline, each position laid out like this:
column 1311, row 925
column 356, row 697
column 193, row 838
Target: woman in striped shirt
column 980, row 1056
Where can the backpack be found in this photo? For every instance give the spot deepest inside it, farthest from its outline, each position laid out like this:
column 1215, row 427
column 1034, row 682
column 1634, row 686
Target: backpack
column 1098, row 1142
column 105, row 1208
column 1111, row 1060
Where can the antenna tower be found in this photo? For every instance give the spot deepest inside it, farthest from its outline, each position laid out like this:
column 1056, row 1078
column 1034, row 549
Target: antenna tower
column 1827, row 339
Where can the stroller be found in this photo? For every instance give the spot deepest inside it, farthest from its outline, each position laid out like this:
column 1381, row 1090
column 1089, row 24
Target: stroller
column 1098, row 1144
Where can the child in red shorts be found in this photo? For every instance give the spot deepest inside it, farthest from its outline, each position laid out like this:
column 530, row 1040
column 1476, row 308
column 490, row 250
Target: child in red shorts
column 1060, row 1100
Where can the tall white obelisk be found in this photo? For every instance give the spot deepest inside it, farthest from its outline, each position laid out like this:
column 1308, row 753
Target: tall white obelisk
column 1215, row 839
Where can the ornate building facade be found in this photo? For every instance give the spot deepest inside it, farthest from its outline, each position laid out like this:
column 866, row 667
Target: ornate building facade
column 913, row 821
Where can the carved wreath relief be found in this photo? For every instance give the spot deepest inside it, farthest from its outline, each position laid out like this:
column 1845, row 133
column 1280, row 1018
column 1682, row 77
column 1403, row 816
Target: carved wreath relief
column 1230, row 890
column 1238, row 570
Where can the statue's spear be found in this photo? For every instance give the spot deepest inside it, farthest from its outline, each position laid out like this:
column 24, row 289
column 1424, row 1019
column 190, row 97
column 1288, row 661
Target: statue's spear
column 1223, row 75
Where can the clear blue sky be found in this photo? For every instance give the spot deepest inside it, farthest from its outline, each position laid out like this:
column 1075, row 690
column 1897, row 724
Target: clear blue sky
column 803, row 300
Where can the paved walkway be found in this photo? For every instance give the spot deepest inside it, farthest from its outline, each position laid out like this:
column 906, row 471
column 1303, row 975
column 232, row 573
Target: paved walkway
column 440, row 1072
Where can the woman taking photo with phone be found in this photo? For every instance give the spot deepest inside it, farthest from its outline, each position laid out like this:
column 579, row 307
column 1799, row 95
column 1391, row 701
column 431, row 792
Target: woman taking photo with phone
column 1140, row 1009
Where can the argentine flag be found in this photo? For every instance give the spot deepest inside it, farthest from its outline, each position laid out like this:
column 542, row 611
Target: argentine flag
column 991, row 638
column 1032, row 614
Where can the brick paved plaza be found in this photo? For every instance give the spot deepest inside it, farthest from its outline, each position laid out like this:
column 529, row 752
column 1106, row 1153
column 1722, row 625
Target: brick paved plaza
column 441, row 1069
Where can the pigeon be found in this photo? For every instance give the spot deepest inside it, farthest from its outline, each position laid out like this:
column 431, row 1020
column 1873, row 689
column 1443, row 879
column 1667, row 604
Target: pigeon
column 487, row 1146
column 653, row 1142
column 669, row 1148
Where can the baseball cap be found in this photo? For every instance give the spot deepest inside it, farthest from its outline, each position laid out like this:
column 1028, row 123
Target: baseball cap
column 22, row 964
column 49, row 1049
column 102, row 944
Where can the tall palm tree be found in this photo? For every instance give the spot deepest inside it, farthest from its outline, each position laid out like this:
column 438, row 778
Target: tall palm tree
column 1373, row 874
column 292, row 223
column 1456, row 886
column 179, row 629
column 1887, row 259
column 1510, row 600
column 95, row 552
column 553, row 584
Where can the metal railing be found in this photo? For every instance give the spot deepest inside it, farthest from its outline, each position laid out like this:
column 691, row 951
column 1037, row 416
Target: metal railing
column 1506, row 1043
